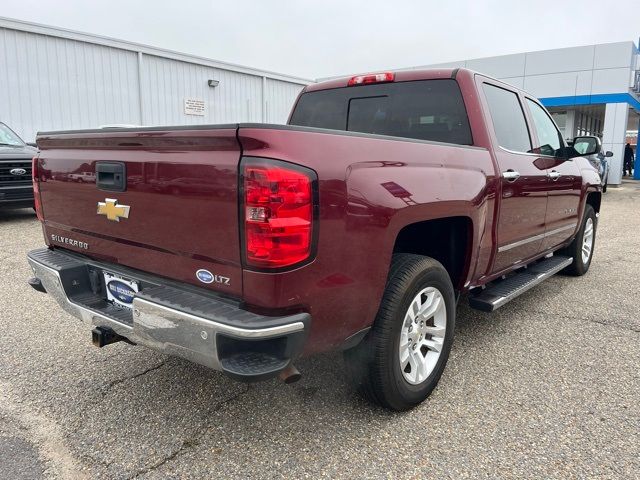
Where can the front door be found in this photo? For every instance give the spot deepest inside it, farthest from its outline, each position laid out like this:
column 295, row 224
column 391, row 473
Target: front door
column 523, row 192
column 565, row 182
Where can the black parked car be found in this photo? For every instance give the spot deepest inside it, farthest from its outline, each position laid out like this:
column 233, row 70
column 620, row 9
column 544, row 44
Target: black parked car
column 16, row 190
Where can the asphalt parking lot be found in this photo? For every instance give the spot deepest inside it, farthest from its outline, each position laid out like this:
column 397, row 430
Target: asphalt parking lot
column 547, row 387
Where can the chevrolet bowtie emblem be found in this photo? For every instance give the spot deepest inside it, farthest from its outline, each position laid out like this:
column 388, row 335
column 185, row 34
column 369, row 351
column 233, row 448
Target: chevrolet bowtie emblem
column 112, row 211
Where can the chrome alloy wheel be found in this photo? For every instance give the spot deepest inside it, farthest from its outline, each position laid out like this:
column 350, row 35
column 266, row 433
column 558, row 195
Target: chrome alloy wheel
column 422, row 335
column 587, row 241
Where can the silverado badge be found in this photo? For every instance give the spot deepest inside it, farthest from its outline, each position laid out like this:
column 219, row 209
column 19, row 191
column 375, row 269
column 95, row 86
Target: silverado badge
column 113, row 211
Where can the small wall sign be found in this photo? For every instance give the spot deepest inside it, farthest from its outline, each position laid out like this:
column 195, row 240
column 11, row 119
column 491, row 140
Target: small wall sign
column 194, row 106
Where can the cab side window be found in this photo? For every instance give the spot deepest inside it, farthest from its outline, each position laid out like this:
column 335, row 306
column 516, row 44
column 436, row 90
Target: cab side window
column 549, row 139
column 508, row 118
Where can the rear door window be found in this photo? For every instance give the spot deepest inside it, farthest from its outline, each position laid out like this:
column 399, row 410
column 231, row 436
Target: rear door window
column 508, row 118
column 426, row 110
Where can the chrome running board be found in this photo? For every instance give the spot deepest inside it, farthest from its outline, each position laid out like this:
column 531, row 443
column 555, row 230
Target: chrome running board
column 500, row 292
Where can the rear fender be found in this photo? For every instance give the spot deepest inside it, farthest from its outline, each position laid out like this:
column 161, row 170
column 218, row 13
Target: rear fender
column 413, row 193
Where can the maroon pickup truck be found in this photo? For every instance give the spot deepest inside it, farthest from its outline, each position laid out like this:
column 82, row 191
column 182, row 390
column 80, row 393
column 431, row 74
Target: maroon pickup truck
column 357, row 226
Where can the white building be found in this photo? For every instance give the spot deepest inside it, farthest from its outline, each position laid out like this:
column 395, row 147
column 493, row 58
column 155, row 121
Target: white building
column 589, row 90
column 53, row 79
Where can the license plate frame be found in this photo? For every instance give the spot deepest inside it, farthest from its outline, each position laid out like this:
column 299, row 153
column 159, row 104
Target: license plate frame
column 120, row 290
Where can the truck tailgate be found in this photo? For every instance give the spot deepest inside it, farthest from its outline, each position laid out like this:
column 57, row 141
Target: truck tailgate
column 181, row 192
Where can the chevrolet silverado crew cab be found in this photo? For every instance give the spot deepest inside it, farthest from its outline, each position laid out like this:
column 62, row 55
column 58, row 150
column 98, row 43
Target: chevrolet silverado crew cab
column 15, row 170
column 358, row 226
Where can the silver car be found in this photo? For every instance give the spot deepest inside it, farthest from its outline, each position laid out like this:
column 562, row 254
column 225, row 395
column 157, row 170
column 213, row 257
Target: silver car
column 599, row 161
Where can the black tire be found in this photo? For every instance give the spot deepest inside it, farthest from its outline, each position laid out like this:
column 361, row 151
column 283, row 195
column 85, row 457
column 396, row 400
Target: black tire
column 374, row 364
column 579, row 267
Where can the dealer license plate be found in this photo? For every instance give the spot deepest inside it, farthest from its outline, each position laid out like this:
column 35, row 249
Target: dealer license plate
column 120, row 291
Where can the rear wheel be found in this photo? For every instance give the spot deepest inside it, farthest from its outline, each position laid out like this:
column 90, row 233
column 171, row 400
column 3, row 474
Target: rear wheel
column 402, row 358
column 581, row 248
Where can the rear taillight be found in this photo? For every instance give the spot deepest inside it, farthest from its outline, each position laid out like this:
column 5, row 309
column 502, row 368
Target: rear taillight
column 37, row 202
column 278, row 213
column 372, row 78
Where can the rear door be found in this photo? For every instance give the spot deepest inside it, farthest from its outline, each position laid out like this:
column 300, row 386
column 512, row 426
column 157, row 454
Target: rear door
column 564, row 185
column 523, row 192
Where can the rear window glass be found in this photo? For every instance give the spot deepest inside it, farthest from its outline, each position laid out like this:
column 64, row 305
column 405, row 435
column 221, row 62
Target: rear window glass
column 425, row 110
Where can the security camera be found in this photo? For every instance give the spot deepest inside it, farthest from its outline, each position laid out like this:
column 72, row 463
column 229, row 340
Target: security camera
column 213, row 83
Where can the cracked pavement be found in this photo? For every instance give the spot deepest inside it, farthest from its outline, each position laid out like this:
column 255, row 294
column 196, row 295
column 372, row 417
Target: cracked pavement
column 546, row 387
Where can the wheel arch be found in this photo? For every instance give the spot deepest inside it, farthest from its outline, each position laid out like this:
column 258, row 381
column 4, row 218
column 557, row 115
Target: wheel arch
column 448, row 240
column 595, row 200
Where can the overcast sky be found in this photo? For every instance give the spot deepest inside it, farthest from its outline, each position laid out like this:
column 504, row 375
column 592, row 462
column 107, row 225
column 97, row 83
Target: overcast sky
column 314, row 39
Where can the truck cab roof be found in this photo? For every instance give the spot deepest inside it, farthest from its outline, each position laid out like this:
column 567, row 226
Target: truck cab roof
column 406, row 76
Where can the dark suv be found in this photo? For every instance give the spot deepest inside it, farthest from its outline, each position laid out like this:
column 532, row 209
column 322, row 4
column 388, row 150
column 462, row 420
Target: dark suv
column 15, row 170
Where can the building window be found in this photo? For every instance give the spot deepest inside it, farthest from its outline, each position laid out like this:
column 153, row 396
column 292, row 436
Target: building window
column 561, row 121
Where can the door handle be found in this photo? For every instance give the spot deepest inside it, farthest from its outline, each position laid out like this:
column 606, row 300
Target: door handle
column 510, row 175
column 554, row 175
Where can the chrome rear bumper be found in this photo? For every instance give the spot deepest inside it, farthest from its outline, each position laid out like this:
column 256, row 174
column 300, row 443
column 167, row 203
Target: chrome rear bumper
column 219, row 335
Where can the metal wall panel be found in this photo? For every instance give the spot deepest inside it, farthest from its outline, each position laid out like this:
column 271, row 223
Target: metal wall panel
column 611, row 80
column 54, row 79
column 167, row 83
column 517, row 82
column 280, row 97
column 559, row 84
column 49, row 83
column 560, row 60
column 614, row 55
column 505, row 66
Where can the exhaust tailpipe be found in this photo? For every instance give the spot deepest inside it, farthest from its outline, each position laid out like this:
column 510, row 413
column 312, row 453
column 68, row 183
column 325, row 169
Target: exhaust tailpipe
column 290, row 374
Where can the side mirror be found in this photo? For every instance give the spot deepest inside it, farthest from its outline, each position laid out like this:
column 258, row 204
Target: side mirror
column 608, row 154
column 32, row 144
column 583, row 146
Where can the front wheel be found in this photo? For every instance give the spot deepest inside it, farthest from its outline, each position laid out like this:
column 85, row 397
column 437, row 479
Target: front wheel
column 401, row 360
column 581, row 248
